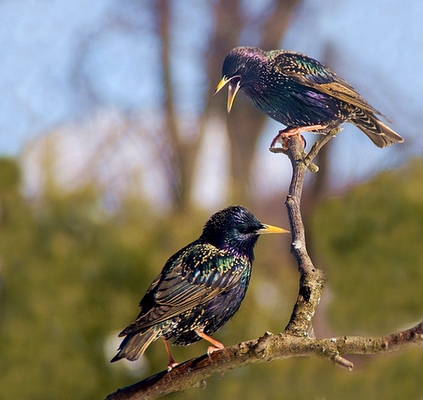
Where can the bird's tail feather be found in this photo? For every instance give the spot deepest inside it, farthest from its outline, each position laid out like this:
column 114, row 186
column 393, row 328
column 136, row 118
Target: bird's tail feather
column 380, row 134
column 134, row 345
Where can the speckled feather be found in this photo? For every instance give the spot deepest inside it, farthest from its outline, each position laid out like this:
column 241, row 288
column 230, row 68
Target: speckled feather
column 188, row 289
column 299, row 91
column 200, row 287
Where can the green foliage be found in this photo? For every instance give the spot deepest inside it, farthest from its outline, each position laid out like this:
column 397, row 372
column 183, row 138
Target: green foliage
column 370, row 242
column 71, row 277
column 9, row 175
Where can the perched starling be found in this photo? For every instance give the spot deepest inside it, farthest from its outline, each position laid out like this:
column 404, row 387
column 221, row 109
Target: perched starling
column 200, row 287
column 300, row 93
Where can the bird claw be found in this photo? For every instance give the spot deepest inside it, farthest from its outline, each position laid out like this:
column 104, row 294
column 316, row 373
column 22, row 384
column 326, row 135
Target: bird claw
column 216, row 345
column 171, row 365
column 171, row 361
column 212, row 349
column 284, row 142
column 283, row 138
column 285, row 134
column 284, row 149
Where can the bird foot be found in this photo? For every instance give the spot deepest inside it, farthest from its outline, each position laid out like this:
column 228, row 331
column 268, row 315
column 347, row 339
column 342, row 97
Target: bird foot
column 216, row 345
column 284, row 141
column 284, row 135
column 172, row 364
column 171, row 361
column 212, row 349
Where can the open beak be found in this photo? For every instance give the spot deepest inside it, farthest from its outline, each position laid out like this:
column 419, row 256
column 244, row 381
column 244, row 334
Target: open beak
column 271, row 229
column 234, row 84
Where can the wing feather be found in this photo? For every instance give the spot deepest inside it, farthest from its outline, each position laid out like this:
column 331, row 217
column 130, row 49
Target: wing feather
column 311, row 73
column 194, row 278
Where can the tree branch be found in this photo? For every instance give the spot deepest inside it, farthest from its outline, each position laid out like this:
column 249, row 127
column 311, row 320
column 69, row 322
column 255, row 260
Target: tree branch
column 265, row 349
column 295, row 340
column 312, row 280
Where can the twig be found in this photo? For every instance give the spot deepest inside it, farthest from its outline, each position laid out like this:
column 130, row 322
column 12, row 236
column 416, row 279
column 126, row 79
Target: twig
column 307, row 158
column 321, row 142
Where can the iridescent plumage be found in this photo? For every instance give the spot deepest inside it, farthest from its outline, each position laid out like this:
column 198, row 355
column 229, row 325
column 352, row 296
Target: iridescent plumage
column 300, row 93
column 200, row 287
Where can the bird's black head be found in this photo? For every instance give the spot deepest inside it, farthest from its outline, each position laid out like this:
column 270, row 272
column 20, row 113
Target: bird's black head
column 235, row 228
column 240, row 69
column 243, row 62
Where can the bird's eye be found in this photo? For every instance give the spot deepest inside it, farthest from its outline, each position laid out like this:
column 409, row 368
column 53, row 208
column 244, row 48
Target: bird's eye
column 246, row 229
column 241, row 70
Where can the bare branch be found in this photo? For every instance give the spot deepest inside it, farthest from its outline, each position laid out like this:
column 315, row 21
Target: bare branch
column 312, row 280
column 265, row 349
column 295, row 341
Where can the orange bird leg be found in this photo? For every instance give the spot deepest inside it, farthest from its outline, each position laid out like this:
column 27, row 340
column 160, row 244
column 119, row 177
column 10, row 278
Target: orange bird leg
column 171, row 363
column 284, row 135
column 217, row 345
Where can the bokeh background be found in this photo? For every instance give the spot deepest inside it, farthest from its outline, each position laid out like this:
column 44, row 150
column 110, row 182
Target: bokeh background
column 114, row 152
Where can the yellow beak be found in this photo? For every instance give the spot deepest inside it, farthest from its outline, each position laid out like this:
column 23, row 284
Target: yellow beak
column 221, row 84
column 233, row 88
column 271, row 229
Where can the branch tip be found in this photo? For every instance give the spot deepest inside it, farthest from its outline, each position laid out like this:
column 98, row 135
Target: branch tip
column 343, row 363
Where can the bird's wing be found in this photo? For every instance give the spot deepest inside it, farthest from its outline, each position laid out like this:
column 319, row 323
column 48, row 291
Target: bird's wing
column 344, row 92
column 195, row 277
column 313, row 74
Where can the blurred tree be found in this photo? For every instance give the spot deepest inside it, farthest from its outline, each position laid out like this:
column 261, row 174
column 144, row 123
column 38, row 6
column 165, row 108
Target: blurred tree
column 373, row 235
column 178, row 130
column 10, row 178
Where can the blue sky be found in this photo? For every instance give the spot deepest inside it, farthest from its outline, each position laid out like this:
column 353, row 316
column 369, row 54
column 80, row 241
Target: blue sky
column 52, row 48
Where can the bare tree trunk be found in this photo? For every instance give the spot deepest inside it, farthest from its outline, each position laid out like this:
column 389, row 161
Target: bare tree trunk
column 183, row 153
